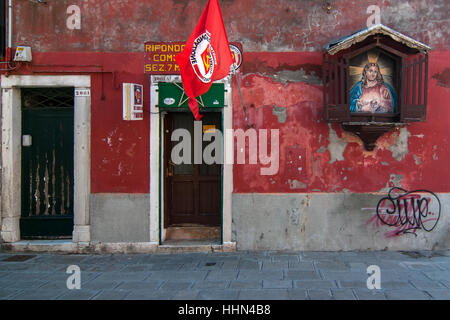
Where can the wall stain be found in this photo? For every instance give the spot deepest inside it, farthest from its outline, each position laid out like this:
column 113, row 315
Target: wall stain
column 443, row 79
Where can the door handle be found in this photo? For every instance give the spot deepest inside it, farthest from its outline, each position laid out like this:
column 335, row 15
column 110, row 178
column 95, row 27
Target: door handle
column 169, row 171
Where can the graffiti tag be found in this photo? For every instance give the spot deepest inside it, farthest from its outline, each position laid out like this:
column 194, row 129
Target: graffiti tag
column 408, row 211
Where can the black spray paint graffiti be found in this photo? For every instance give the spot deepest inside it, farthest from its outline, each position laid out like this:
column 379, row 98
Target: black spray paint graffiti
column 409, row 211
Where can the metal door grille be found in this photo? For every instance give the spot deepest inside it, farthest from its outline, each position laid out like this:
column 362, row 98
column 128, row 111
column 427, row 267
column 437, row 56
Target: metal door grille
column 47, row 164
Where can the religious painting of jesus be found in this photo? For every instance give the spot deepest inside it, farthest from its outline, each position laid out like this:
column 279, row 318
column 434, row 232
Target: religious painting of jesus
column 373, row 91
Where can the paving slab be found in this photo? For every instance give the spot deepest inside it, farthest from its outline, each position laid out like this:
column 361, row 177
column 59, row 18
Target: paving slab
column 297, row 294
column 210, row 265
column 439, row 294
column 260, row 275
column 319, row 294
column 218, row 294
column 407, row 294
column 326, row 255
column 78, row 294
column 222, row 275
column 277, row 284
column 314, row 284
column 150, row 295
column 301, row 265
column 132, row 268
column 264, row 294
column 140, row 285
column 206, row 284
column 366, row 294
column 178, row 275
column 190, row 294
column 275, row 265
column 111, row 295
column 438, row 275
column 352, row 283
column 343, row 294
column 101, row 285
column 237, row 284
column 301, row 275
column 332, row 266
column 6, row 293
column 22, row 284
column 123, row 276
column 230, row 265
column 346, row 276
column 20, row 276
column 396, row 285
column 290, row 258
column 423, row 285
column 253, row 265
column 29, row 294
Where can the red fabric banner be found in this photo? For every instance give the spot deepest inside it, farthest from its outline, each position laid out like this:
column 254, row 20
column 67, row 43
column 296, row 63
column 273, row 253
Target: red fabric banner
column 206, row 56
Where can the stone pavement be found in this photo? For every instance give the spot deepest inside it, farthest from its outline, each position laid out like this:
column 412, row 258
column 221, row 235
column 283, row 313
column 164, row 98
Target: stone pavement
column 419, row 275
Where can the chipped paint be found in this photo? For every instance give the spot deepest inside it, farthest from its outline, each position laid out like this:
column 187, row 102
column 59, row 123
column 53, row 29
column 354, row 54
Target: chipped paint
column 294, row 184
column 280, row 113
column 399, row 148
column 417, row 160
column 336, row 146
column 286, row 76
column 395, row 180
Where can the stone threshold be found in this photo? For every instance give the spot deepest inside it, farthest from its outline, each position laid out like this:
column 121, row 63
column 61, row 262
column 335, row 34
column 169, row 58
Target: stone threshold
column 69, row 247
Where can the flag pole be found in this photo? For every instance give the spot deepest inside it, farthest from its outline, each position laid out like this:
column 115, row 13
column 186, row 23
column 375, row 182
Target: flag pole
column 242, row 101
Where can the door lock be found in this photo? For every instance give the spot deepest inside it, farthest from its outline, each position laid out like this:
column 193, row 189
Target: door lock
column 169, row 171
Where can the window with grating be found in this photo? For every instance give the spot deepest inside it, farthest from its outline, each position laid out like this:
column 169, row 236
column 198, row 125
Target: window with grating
column 47, row 97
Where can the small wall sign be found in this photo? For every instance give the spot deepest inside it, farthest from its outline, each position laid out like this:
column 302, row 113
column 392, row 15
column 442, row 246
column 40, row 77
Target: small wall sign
column 82, row 92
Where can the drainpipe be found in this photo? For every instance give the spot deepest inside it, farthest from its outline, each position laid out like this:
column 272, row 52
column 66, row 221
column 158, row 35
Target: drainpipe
column 9, row 23
column 8, row 53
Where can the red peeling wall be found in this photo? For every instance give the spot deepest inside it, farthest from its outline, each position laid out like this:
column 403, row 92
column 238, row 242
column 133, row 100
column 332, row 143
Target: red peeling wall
column 420, row 164
column 119, row 149
column 282, row 43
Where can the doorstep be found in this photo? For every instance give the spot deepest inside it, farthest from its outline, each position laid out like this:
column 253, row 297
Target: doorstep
column 67, row 246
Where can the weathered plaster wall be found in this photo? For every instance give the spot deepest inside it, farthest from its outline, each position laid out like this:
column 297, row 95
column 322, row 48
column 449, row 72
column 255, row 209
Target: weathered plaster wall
column 325, row 222
column 261, row 25
column 281, row 86
column 119, row 149
column 282, row 91
column 120, row 217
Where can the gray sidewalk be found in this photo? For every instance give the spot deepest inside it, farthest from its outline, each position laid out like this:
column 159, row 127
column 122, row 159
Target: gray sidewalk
column 419, row 275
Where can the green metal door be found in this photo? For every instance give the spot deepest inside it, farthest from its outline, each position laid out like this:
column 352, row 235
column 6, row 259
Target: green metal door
column 47, row 163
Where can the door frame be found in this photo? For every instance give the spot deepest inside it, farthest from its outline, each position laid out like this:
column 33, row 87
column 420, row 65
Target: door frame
column 157, row 230
column 11, row 152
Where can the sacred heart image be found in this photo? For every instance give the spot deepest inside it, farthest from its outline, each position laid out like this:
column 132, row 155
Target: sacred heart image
column 372, row 84
column 203, row 57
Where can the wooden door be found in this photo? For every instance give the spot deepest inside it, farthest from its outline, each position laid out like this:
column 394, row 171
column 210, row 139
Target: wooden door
column 47, row 163
column 192, row 192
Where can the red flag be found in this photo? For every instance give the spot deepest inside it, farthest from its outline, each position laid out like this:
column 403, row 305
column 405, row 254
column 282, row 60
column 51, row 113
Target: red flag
column 206, row 56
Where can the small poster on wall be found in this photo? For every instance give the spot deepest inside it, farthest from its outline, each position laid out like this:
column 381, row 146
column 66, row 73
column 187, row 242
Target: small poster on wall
column 132, row 101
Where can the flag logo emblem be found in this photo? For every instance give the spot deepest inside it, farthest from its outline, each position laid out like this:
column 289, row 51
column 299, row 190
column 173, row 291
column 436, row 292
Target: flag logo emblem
column 203, row 57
